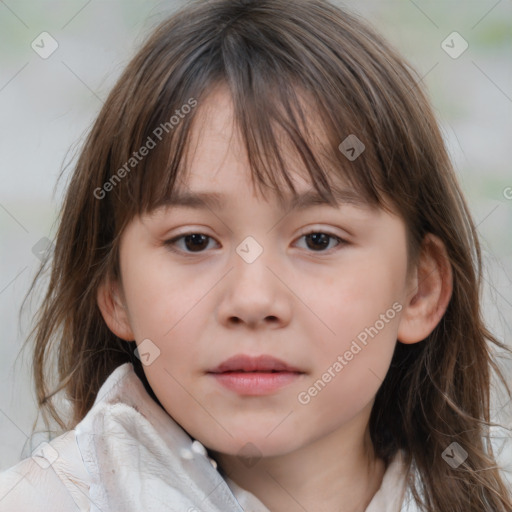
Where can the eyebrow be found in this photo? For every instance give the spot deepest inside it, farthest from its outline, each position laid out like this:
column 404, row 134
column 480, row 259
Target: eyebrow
column 218, row 201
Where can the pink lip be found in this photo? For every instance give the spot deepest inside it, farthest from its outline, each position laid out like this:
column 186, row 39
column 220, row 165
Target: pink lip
column 263, row 363
column 260, row 375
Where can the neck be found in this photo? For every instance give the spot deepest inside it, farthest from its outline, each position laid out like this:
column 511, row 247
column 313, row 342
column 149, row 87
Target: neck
column 336, row 473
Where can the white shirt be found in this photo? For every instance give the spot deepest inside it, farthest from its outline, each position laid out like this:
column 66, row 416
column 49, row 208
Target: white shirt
column 129, row 455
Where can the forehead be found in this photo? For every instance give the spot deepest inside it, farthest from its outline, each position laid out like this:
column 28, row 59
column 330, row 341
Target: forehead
column 217, row 166
column 224, row 200
column 215, row 132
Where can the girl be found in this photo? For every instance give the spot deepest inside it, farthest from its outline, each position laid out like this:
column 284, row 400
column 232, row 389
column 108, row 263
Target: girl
column 314, row 342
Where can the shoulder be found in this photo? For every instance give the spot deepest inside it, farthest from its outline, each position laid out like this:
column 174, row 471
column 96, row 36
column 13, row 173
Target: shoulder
column 56, row 477
column 53, row 479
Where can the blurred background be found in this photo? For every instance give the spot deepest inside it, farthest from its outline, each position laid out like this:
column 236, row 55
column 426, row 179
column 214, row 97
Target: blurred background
column 58, row 61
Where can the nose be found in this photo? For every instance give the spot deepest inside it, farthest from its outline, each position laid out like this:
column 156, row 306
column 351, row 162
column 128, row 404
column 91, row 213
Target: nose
column 254, row 294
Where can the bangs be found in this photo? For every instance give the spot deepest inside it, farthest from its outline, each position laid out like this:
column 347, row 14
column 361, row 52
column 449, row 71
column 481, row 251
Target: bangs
column 304, row 104
column 315, row 98
column 281, row 136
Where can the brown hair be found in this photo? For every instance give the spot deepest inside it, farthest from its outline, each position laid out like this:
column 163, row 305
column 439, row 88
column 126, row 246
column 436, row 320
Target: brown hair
column 271, row 54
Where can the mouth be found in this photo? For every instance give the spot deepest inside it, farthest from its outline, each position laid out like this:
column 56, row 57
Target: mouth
column 253, row 376
column 250, row 364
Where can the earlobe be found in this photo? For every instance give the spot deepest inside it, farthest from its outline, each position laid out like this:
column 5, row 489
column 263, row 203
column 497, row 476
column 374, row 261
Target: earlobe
column 430, row 292
column 113, row 310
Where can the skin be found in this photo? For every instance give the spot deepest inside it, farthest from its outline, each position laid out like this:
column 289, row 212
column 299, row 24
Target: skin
column 301, row 305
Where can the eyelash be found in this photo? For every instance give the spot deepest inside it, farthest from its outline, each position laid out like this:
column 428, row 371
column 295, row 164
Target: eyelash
column 169, row 244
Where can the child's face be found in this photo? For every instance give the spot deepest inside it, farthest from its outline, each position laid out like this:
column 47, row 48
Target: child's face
column 300, row 301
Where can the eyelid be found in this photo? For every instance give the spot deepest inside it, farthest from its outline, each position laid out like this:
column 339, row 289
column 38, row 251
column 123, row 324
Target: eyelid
column 319, row 229
column 171, row 242
column 341, row 240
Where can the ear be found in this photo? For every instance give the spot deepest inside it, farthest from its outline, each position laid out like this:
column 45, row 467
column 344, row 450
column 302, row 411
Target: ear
column 429, row 294
column 113, row 309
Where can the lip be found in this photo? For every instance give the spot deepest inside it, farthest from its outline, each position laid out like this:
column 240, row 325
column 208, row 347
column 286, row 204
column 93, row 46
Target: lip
column 249, row 375
column 262, row 363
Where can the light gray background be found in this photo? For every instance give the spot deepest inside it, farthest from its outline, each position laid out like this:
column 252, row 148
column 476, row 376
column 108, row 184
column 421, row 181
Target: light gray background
column 47, row 105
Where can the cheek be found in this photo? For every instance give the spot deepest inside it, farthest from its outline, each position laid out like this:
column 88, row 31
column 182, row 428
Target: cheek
column 158, row 296
column 351, row 367
column 165, row 307
column 362, row 310
column 356, row 298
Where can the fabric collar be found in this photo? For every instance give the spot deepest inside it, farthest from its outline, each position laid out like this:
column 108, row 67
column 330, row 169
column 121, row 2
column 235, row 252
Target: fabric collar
column 139, row 458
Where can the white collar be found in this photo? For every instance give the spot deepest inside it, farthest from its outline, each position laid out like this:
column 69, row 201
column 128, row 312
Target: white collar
column 139, row 458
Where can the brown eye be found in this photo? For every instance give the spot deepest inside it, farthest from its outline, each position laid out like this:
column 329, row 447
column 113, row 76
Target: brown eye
column 192, row 242
column 189, row 243
column 319, row 241
column 196, row 241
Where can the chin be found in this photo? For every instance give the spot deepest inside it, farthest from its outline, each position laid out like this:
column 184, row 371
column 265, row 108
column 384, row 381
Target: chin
column 253, row 446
